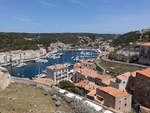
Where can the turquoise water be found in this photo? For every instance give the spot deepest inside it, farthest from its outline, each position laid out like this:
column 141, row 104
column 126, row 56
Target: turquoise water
column 34, row 68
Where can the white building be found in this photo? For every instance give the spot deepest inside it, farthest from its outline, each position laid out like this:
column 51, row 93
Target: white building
column 20, row 56
column 58, row 72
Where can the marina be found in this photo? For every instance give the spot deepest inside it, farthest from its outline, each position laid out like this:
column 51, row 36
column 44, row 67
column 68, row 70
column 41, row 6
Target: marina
column 36, row 68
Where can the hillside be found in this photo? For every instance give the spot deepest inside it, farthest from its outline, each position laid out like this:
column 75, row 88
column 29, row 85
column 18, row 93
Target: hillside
column 132, row 38
column 21, row 98
column 13, row 41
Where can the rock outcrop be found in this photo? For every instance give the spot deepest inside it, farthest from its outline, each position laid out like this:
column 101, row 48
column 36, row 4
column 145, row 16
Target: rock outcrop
column 5, row 78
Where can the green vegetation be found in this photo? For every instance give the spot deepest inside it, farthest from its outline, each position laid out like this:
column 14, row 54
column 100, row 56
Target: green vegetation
column 13, row 41
column 125, row 39
column 69, row 86
column 134, row 37
column 115, row 69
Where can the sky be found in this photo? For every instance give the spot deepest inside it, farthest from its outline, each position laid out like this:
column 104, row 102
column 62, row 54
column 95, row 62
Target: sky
column 57, row 16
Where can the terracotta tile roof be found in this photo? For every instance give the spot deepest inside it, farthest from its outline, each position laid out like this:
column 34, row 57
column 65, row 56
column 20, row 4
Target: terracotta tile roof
column 113, row 91
column 92, row 93
column 16, row 51
column 91, row 73
column 88, row 63
column 107, row 81
column 57, row 66
column 87, row 85
column 145, row 109
column 145, row 44
column 45, row 80
column 145, row 72
column 124, row 76
column 84, row 63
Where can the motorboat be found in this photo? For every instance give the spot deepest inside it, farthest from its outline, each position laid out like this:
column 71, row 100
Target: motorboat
column 15, row 63
column 67, row 64
column 42, row 60
column 42, row 75
column 21, row 65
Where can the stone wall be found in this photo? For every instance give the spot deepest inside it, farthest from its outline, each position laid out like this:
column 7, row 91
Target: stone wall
column 44, row 86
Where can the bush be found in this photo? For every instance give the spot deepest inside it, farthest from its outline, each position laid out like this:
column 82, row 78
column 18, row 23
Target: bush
column 67, row 85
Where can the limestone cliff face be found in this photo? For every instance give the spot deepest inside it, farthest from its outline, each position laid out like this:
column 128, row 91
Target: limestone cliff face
column 5, row 78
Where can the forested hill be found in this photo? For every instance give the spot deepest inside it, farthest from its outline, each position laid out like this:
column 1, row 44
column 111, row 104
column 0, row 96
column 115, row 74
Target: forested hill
column 132, row 37
column 13, row 41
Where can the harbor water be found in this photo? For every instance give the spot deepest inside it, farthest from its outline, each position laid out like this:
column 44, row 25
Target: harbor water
column 34, row 68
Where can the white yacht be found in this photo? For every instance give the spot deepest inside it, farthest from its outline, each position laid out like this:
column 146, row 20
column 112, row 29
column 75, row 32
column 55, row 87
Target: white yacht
column 67, row 64
column 42, row 75
column 42, row 60
column 15, row 63
column 21, row 65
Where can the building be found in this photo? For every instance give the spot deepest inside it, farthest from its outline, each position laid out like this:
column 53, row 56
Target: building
column 2, row 58
column 89, row 74
column 114, row 98
column 144, row 109
column 21, row 55
column 145, row 53
column 88, row 63
column 86, row 87
column 121, row 81
column 140, row 87
column 58, row 72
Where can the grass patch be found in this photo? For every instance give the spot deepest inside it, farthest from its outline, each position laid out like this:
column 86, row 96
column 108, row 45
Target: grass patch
column 115, row 69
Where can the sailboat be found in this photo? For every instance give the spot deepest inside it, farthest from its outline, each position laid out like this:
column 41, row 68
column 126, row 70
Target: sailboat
column 41, row 75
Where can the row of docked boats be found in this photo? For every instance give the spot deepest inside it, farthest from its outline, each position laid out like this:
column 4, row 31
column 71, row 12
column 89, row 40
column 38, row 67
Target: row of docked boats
column 18, row 64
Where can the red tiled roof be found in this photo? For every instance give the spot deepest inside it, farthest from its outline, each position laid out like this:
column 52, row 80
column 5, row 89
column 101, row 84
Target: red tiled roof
column 145, row 44
column 57, row 66
column 107, row 81
column 87, row 85
column 91, row 73
column 124, row 76
column 92, row 93
column 113, row 91
column 45, row 80
column 145, row 72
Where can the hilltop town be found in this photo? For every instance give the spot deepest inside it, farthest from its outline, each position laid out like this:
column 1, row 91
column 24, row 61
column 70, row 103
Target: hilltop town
column 94, row 82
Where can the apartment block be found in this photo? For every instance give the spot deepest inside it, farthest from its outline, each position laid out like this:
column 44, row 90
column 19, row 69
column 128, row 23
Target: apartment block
column 58, row 72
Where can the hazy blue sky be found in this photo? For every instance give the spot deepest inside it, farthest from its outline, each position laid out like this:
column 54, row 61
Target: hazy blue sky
column 99, row 16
